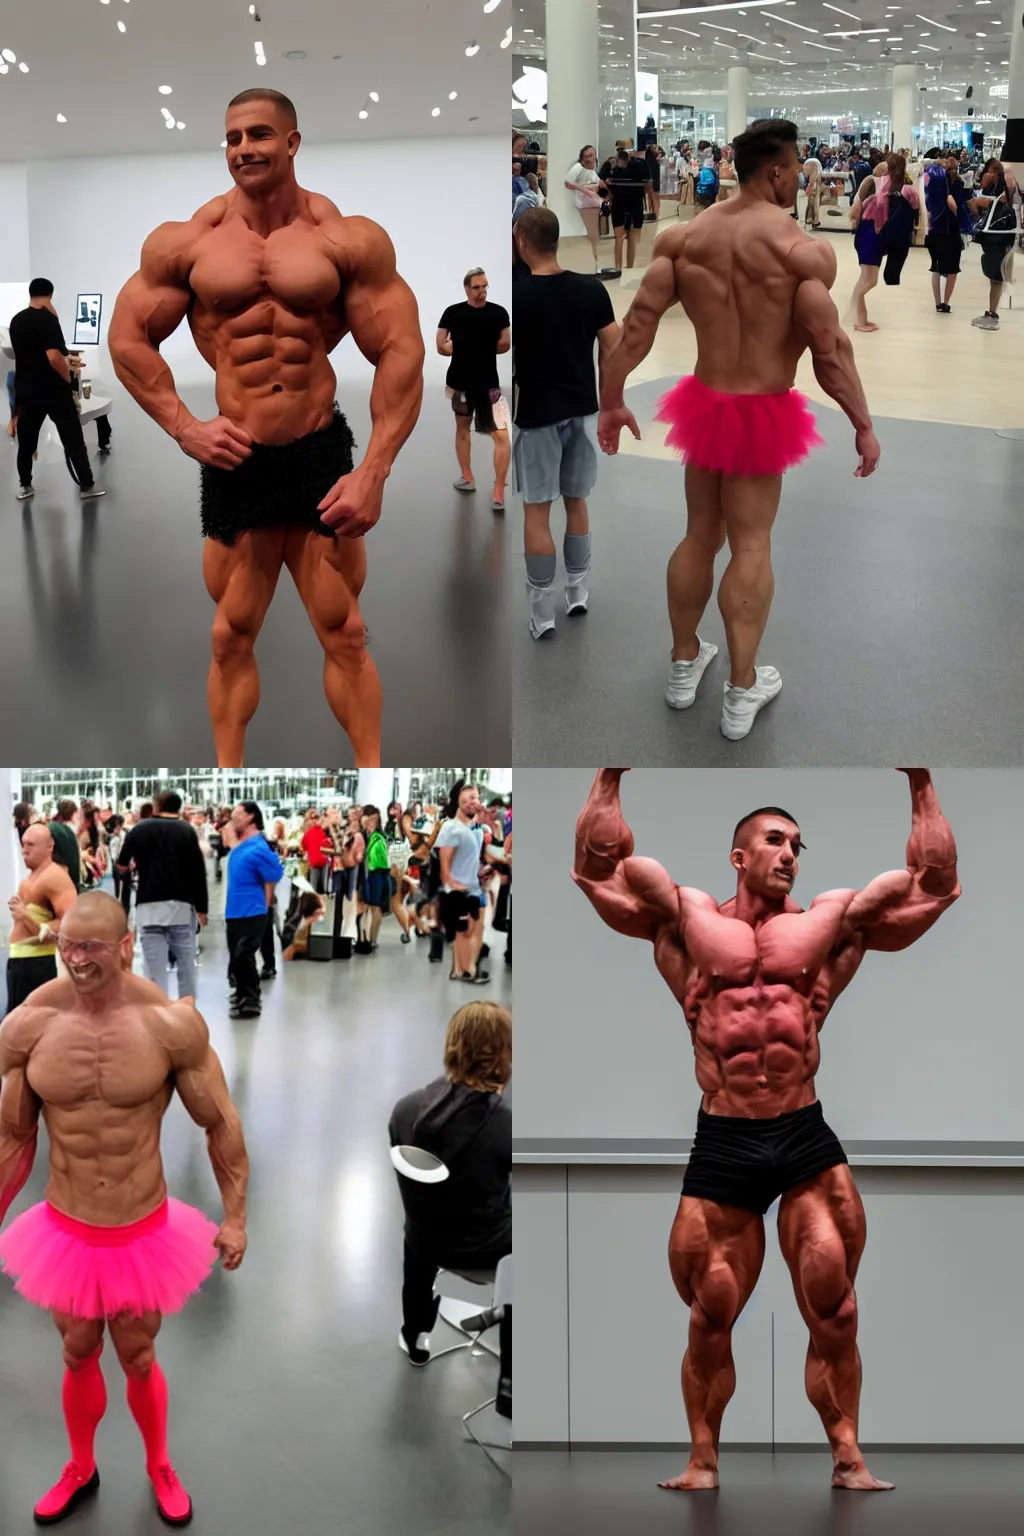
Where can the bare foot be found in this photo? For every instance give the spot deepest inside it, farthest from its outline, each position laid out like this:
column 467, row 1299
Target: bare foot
column 854, row 1474
column 693, row 1479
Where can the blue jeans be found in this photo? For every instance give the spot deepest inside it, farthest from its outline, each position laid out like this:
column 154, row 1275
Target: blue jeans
column 158, row 943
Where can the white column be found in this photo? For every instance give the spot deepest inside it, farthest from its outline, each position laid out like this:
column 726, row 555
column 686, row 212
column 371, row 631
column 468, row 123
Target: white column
column 1013, row 144
column 572, row 99
column 739, row 94
column 904, row 106
column 11, row 867
column 374, row 787
column 402, row 795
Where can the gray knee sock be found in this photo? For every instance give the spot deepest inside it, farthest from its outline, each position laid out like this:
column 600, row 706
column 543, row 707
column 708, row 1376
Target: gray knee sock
column 576, row 552
column 540, row 571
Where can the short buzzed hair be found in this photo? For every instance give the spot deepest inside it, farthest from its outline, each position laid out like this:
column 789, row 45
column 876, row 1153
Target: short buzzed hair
column 284, row 104
column 168, row 802
column 764, row 810
column 539, row 228
column 105, row 909
column 763, row 141
column 40, row 288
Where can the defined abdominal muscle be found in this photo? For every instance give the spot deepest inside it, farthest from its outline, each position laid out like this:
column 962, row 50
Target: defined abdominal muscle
column 756, row 1055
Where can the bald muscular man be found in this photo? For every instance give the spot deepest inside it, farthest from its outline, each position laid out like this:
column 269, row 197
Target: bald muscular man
column 44, row 896
column 99, row 1054
column 757, row 291
column 756, row 978
column 271, row 278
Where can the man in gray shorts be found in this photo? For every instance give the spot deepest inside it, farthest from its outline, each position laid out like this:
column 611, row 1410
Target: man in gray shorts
column 559, row 315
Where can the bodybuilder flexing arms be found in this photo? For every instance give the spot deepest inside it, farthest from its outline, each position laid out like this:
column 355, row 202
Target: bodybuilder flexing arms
column 271, row 277
column 756, row 978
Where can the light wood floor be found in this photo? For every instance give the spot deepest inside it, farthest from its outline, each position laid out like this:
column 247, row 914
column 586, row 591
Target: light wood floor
column 919, row 366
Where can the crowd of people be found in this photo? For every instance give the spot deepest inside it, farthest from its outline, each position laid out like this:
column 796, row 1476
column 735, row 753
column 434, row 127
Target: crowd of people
column 443, row 872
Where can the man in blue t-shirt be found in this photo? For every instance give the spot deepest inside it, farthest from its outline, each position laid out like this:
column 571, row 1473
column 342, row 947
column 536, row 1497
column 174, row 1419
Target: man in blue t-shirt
column 253, row 871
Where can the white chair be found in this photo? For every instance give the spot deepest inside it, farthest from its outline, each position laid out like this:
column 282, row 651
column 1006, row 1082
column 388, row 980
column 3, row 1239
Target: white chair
column 464, row 1292
column 502, row 1298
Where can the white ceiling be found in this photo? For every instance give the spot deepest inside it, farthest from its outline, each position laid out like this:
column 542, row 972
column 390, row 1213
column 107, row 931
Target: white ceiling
column 105, row 82
column 793, row 68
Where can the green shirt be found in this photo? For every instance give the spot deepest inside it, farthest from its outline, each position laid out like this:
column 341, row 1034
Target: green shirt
column 66, row 850
column 377, row 852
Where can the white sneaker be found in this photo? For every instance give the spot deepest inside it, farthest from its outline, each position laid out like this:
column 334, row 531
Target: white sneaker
column 741, row 706
column 542, row 611
column 576, row 599
column 686, row 675
column 25, row 492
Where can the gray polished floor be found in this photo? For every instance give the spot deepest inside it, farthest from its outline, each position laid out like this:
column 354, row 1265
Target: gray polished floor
column 105, row 628
column 616, row 1494
column 291, row 1406
column 897, row 624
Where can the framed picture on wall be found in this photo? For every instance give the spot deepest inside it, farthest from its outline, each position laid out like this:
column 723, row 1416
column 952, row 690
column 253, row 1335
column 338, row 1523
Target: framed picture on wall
column 87, row 319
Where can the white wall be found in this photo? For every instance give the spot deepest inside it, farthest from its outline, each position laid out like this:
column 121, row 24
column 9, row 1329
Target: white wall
column 446, row 211
column 14, row 247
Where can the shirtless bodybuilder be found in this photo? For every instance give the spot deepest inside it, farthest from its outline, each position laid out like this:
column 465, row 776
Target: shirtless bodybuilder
column 757, row 291
column 99, row 1054
column 756, row 979
column 44, row 896
column 271, row 277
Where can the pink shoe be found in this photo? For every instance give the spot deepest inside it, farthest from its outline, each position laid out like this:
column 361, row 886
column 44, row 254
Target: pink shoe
column 173, row 1504
column 65, row 1495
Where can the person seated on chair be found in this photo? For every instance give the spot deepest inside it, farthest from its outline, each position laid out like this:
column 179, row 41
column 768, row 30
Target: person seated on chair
column 307, row 907
column 465, row 1222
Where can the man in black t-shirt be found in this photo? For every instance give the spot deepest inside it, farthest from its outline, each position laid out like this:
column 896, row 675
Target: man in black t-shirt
column 472, row 334
column 42, row 387
column 559, row 316
column 172, row 895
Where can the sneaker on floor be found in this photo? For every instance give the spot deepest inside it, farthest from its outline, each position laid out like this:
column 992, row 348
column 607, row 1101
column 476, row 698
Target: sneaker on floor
column 172, row 1502
column 576, row 599
column 65, row 1495
column 266, row 975
column 406, row 938
column 418, row 1352
column 686, row 675
column 987, row 322
column 462, row 484
column 741, row 706
column 497, row 505
column 90, row 493
column 943, row 309
column 25, row 492
column 478, row 979
column 542, row 611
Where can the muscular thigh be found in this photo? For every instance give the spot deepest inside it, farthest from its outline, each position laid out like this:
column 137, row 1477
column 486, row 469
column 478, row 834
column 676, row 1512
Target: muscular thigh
column 705, row 519
column 822, row 1231
column 715, row 1254
column 81, row 1335
column 329, row 575
column 749, row 504
column 132, row 1336
column 241, row 577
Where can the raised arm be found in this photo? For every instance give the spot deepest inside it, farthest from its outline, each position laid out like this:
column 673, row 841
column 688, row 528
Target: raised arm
column 636, row 897
column 817, row 321
column 898, row 907
column 656, row 294
column 381, row 313
column 149, row 308
column 19, row 1110
column 199, row 1078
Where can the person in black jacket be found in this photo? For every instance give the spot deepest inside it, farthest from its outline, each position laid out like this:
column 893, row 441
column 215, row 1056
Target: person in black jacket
column 462, row 1118
column 172, row 896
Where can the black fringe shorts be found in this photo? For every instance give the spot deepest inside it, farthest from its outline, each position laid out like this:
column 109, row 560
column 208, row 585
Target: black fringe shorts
column 277, row 486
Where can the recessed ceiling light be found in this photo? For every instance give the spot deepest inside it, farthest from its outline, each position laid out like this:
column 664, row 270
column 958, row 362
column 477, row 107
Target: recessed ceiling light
column 435, row 112
column 374, row 96
column 23, row 67
column 165, row 90
column 491, row 5
column 452, row 95
column 4, row 68
column 472, row 49
column 363, row 112
column 61, row 118
column 505, row 42
column 168, row 117
column 179, row 125
column 121, row 27
column 169, row 123
column 10, row 56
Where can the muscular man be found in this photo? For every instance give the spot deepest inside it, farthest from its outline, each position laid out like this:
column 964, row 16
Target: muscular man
column 43, row 897
column 756, row 978
column 271, row 277
column 100, row 1054
column 756, row 289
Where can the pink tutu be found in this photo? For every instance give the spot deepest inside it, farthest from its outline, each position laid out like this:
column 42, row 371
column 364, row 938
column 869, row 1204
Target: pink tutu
column 737, row 434
column 152, row 1265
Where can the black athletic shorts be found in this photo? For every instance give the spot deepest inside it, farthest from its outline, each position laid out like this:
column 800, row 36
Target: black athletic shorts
column 277, row 486
column 458, row 910
column 749, row 1163
column 478, row 405
column 628, row 212
column 945, row 251
column 23, row 976
column 994, row 251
